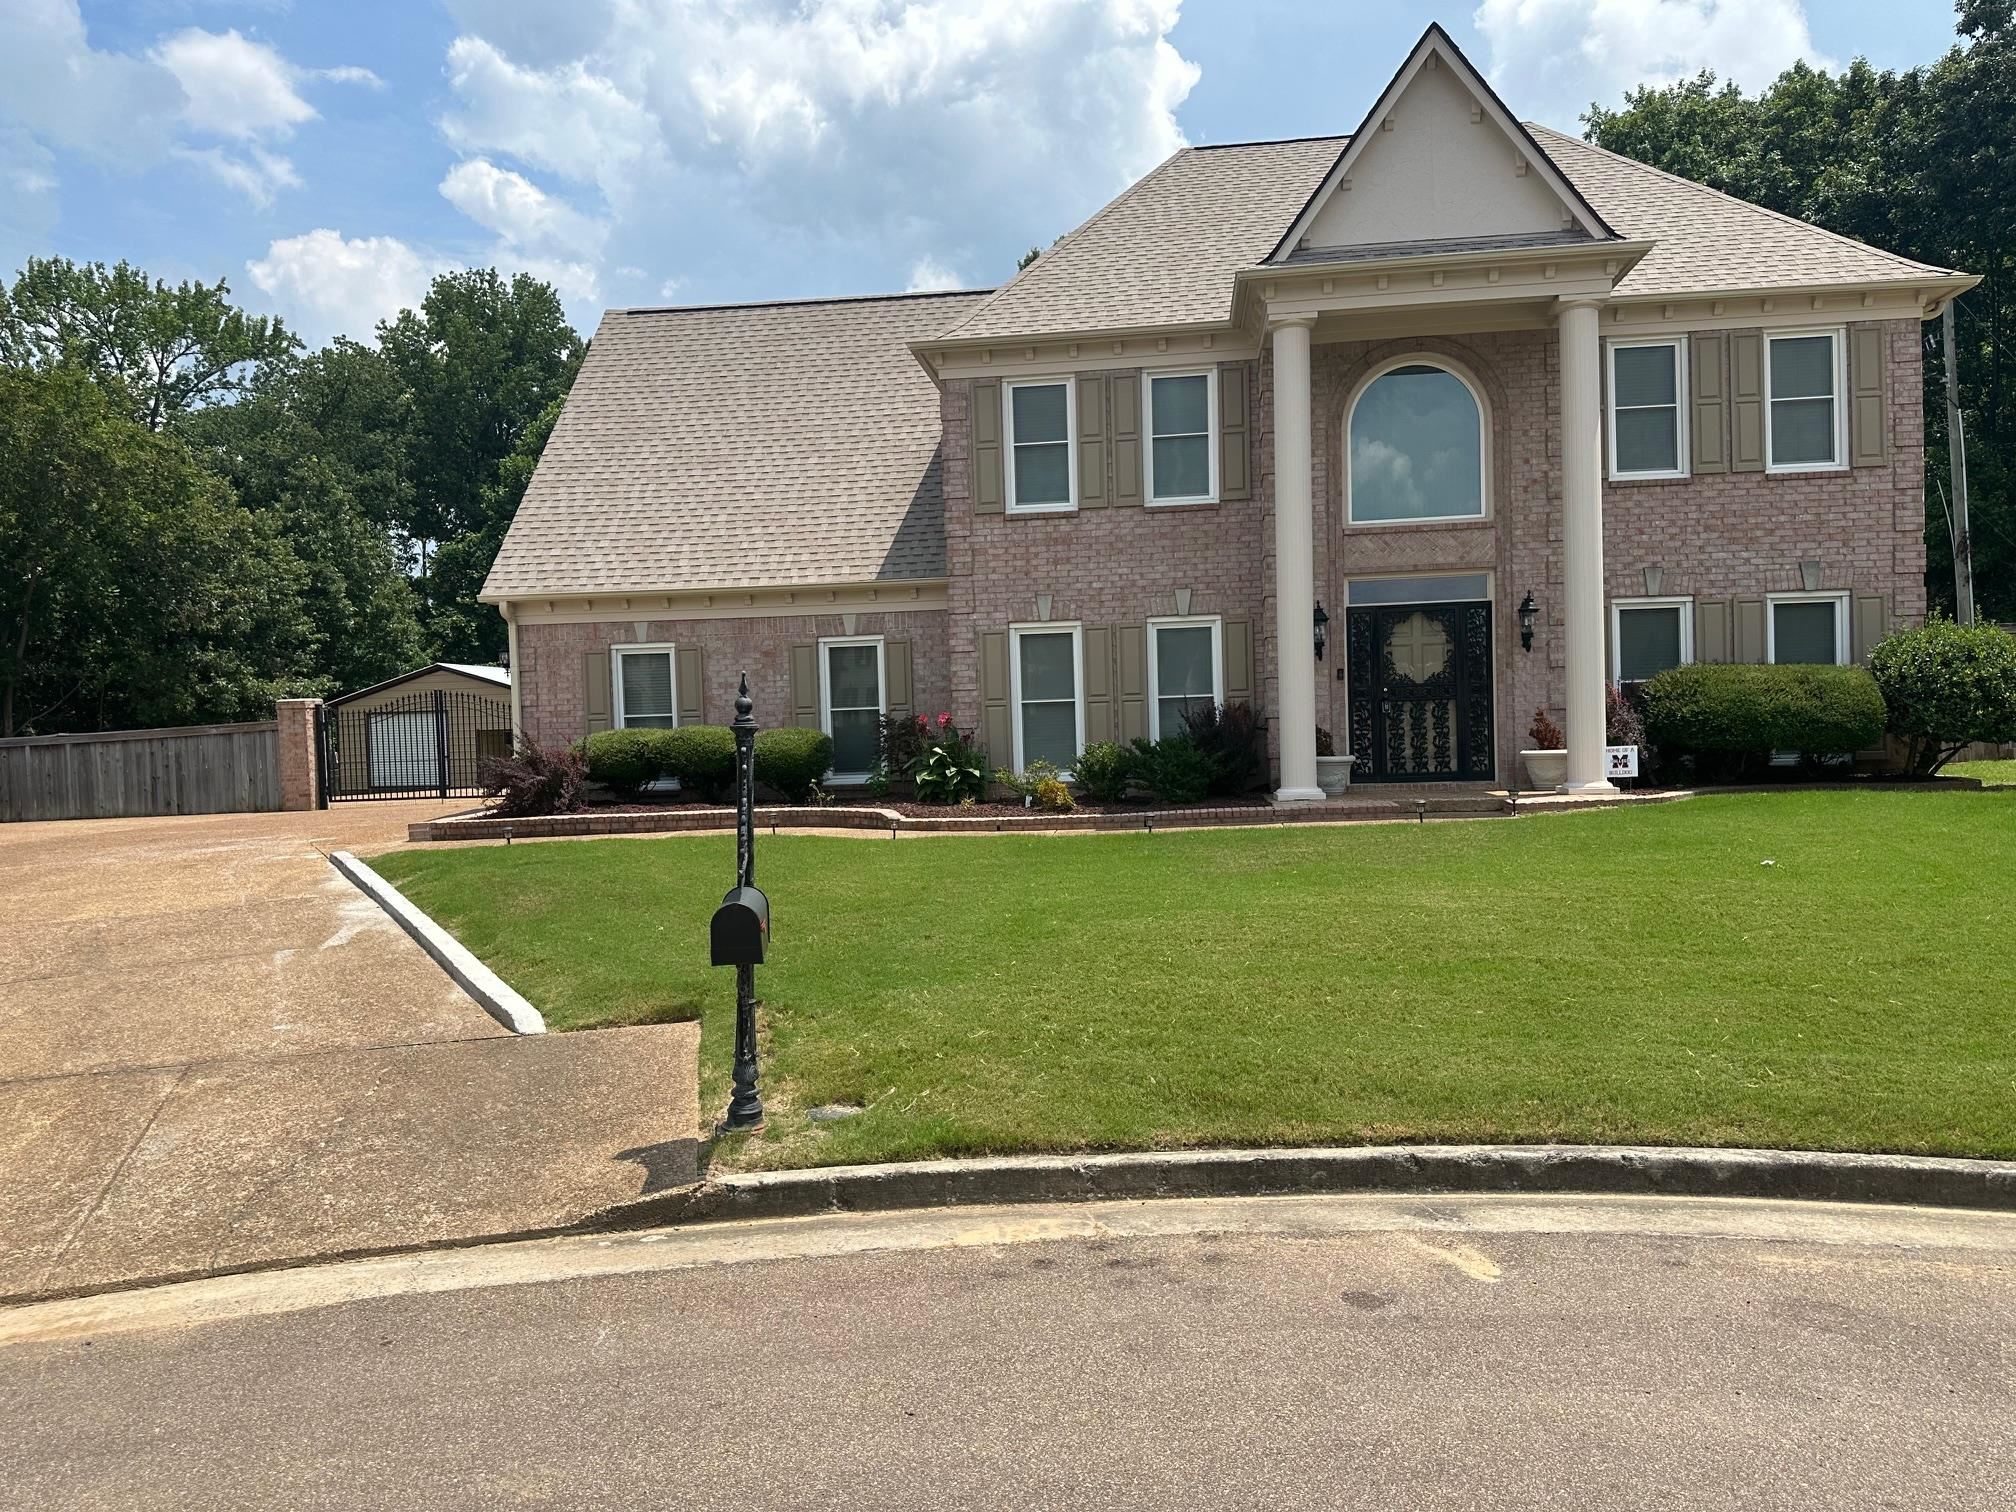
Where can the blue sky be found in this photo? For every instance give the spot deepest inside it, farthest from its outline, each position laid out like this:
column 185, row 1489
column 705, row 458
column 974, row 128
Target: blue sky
column 326, row 158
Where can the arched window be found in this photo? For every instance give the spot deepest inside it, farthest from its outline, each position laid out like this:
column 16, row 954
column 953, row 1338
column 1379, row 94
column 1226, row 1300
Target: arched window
column 1417, row 447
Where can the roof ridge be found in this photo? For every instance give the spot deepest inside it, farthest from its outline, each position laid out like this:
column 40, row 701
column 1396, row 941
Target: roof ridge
column 1734, row 199
column 1320, row 136
column 818, row 299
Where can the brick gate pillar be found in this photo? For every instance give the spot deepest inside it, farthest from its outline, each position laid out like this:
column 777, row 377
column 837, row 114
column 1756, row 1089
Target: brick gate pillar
column 300, row 780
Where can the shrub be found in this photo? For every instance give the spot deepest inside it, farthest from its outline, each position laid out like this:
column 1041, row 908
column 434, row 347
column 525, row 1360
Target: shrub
column 1544, row 733
column 901, row 741
column 1023, row 784
column 951, row 768
column 625, row 761
column 702, row 757
column 1622, row 723
column 1326, row 744
column 1233, row 739
column 1947, row 686
column 791, row 761
column 1051, row 793
column 1173, row 768
column 1750, row 711
column 1104, row 769
column 534, row 781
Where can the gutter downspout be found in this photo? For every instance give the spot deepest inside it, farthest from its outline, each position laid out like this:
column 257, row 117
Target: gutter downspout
column 510, row 613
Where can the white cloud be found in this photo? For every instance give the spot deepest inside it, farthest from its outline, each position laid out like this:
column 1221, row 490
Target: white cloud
column 327, row 285
column 929, row 276
column 256, row 173
column 519, row 211
column 350, row 73
column 1551, row 58
column 236, row 87
column 72, row 95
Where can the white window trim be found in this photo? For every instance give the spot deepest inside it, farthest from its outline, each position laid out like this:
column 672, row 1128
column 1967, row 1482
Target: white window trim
column 826, row 689
column 1015, row 634
column 616, row 655
column 1681, row 359
column 1210, row 495
column 1461, row 374
column 1838, row 599
column 1008, row 388
column 1839, row 337
column 1183, row 622
column 1617, row 607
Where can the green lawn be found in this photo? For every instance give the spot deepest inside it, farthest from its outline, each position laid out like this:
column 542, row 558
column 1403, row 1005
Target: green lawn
column 1991, row 773
column 1638, row 975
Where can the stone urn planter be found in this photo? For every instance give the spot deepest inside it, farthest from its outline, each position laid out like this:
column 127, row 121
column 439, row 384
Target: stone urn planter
column 1545, row 770
column 1333, row 775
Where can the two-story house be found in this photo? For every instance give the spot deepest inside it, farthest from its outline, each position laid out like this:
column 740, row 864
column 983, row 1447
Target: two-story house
column 1403, row 435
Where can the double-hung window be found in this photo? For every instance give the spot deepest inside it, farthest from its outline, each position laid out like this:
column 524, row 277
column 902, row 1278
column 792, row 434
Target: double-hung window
column 1808, row 627
column 1647, row 636
column 1047, row 694
column 1648, row 428
column 1184, row 657
column 1806, row 428
column 1182, row 437
column 851, row 702
column 1042, row 462
column 646, row 686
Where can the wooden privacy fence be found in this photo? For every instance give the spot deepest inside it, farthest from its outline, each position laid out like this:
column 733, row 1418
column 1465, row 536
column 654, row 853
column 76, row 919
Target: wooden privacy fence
column 199, row 769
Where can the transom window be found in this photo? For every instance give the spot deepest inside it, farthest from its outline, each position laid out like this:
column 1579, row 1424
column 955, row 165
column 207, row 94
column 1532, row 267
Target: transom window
column 1042, row 472
column 1648, row 436
column 1808, row 627
column 1184, row 658
column 1647, row 636
column 1417, row 448
column 1049, row 717
column 1803, row 382
column 1182, row 438
column 646, row 687
column 851, row 702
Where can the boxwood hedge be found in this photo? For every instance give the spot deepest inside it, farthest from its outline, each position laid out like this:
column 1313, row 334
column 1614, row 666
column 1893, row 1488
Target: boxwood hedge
column 790, row 761
column 1754, row 710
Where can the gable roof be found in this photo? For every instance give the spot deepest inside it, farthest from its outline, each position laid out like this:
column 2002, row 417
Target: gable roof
column 496, row 677
column 739, row 445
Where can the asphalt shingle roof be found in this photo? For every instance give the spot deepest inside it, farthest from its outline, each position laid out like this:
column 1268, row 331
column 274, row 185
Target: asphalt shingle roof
column 737, row 447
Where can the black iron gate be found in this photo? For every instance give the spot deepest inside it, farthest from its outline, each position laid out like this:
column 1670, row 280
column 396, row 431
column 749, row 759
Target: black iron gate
column 422, row 745
column 1420, row 693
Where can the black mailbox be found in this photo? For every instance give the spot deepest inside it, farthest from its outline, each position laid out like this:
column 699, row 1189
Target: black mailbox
column 741, row 927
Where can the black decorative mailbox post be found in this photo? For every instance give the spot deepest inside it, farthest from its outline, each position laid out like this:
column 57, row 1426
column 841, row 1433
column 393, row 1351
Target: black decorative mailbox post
column 742, row 923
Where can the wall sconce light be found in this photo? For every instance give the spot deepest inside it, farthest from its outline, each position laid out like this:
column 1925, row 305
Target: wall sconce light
column 1528, row 613
column 1322, row 636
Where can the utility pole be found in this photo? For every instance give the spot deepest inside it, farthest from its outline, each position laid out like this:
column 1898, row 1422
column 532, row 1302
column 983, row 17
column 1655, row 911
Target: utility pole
column 1956, row 457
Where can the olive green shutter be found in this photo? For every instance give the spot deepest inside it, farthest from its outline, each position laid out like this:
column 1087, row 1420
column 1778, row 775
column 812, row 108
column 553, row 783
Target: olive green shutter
column 1131, row 685
column 1239, row 661
column 1126, row 437
column 997, row 731
column 595, row 692
column 1751, row 645
column 1235, row 479
column 1098, row 673
column 986, row 426
column 1868, row 623
column 1091, row 406
column 897, row 698
column 1746, row 401
column 1710, row 437
column 1868, row 391
column 692, row 678
column 805, row 686
column 1711, row 630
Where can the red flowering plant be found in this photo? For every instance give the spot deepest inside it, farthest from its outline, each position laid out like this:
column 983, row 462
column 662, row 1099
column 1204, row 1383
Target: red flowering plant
column 950, row 768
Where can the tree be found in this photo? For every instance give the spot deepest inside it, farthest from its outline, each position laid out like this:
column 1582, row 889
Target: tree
column 1917, row 163
column 164, row 351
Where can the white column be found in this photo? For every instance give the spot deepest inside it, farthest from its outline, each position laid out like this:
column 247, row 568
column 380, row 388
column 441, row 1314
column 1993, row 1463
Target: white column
column 1582, row 543
column 1294, row 567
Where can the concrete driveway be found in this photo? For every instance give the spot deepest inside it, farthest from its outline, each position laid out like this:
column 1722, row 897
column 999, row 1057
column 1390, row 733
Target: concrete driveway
column 214, row 1051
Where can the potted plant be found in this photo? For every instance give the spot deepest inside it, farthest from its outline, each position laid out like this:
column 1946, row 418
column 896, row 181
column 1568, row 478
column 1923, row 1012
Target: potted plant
column 1333, row 772
column 1547, row 764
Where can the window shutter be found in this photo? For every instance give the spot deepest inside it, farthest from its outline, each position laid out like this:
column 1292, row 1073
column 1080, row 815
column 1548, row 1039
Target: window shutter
column 1239, row 661
column 985, row 415
column 1091, row 403
column 898, row 697
column 690, row 667
column 1746, row 401
column 1750, row 642
column 1132, row 689
column 997, row 733
column 805, row 686
column 1098, row 675
column 1710, row 428
column 1711, row 630
column 1126, row 438
column 595, row 692
column 1868, row 390
column 1235, row 473
column 1869, row 622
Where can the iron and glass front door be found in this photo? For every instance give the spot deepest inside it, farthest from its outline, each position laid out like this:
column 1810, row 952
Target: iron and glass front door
column 1420, row 692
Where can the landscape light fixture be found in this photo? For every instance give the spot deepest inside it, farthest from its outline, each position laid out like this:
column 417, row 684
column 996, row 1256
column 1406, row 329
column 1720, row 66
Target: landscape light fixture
column 1322, row 635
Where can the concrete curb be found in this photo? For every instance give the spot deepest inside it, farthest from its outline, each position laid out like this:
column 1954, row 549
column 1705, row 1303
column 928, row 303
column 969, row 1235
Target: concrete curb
column 1628, row 1170
column 492, row 992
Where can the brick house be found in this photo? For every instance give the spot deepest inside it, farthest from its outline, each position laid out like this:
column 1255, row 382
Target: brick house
column 1303, row 423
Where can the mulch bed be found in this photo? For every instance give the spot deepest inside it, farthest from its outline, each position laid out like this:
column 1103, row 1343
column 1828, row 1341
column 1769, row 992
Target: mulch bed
column 909, row 808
